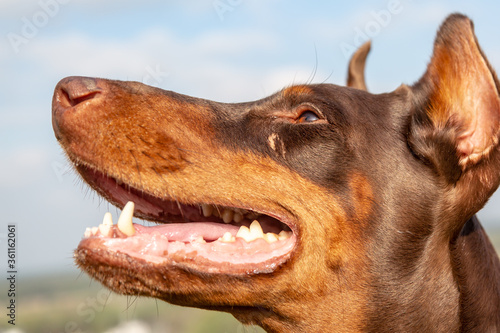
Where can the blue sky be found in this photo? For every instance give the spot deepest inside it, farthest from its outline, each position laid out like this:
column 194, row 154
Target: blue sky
column 225, row 50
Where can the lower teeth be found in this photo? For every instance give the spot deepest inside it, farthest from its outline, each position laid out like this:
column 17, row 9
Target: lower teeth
column 255, row 232
column 248, row 234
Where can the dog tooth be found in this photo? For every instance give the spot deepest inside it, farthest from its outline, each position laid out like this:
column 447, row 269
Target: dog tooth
column 207, row 210
column 125, row 220
column 256, row 230
column 227, row 238
column 104, row 229
column 216, row 211
column 238, row 217
column 252, row 233
column 227, row 216
column 284, row 235
column 241, row 211
column 252, row 215
column 200, row 239
column 271, row 237
column 244, row 232
column 108, row 219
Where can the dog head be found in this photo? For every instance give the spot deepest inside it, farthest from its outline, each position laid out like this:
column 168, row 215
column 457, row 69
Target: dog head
column 358, row 195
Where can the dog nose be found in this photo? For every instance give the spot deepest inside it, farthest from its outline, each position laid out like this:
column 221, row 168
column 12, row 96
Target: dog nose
column 68, row 95
column 75, row 90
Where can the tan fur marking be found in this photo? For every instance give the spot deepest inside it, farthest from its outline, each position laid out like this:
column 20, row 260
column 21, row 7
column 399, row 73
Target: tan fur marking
column 296, row 90
column 363, row 197
column 272, row 141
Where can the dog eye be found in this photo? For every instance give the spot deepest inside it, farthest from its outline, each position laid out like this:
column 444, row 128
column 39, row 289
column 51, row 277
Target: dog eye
column 307, row 116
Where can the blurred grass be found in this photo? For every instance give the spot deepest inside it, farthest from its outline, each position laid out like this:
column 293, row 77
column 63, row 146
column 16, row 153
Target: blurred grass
column 74, row 303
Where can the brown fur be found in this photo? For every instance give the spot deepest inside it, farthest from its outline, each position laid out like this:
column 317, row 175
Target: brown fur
column 356, row 70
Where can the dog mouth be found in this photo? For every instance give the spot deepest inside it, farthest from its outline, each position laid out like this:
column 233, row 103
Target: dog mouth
column 204, row 236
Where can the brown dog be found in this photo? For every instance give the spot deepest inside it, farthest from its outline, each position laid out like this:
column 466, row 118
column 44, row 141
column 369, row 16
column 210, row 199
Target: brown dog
column 364, row 203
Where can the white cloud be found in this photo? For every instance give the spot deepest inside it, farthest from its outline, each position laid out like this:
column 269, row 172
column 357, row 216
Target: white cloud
column 197, row 66
column 12, row 8
column 233, row 43
column 22, row 167
column 21, row 116
column 80, row 54
column 432, row 13
column 404, row 18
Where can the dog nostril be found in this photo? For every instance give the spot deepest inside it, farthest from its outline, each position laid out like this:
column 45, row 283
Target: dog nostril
column 73, row 100
column 76, row 90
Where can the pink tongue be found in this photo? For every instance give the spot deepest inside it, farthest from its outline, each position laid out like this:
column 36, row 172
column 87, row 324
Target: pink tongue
column 188, row 232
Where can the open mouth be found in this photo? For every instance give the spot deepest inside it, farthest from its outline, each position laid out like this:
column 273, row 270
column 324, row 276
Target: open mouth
column 204, row 236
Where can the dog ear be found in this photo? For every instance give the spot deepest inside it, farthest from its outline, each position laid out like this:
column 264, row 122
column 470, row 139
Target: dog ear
column 356, row 71
column 456, row 123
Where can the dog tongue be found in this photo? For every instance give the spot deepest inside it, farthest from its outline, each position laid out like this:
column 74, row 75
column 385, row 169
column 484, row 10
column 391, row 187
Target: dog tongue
column 189, row 232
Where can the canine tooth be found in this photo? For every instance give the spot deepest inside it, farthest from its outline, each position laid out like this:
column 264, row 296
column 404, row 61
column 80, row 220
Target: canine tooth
column 271, row 237
column 104, row 229
column 284, row 235
column 244, row 233
column 256, row 230
column 227, row 216
column 252, row 233
column 125, row 220
column 108, row 219
column 207, row 210
column 227, row 238
column 238, row 217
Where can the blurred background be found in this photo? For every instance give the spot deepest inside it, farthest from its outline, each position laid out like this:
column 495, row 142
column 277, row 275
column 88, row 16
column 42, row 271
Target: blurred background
column 224, row 50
